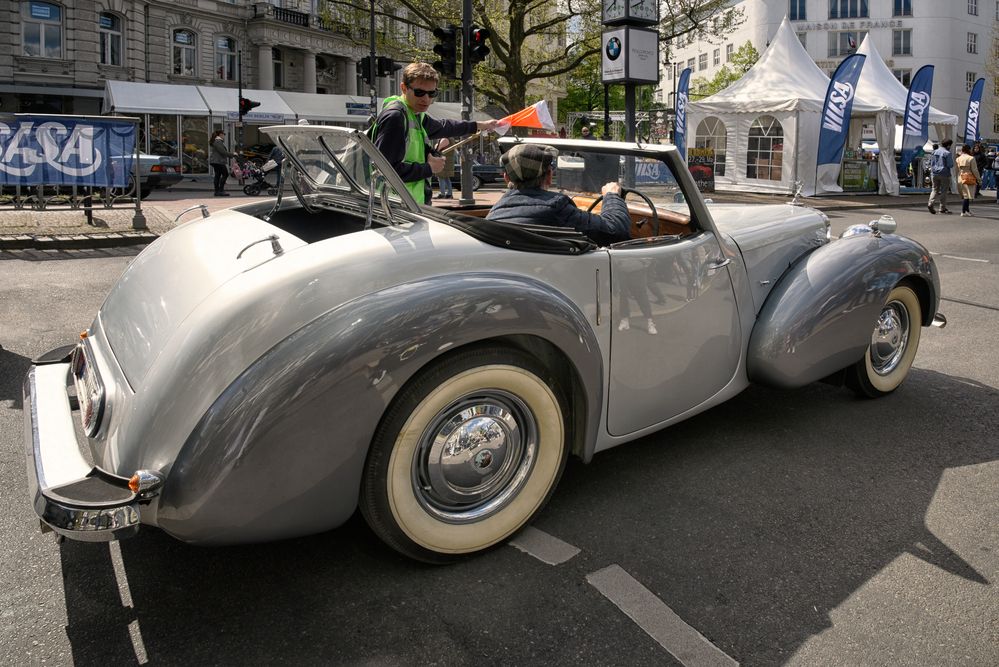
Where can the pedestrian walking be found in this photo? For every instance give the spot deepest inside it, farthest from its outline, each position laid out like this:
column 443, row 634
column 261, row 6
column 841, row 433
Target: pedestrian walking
column 219, row 156
column 989, row 175
column 982, row 161
column 967, row 178
column 447, row 173
column 941, row 164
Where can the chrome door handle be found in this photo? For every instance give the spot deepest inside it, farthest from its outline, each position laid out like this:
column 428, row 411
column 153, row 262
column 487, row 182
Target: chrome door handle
column 719, row 265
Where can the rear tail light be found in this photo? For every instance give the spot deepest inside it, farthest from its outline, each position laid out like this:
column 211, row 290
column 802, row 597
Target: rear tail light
column 89, row 388
column 145, row 482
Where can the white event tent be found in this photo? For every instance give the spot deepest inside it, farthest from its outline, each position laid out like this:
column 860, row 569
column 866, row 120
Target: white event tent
column 769, row 121
column 878, row 85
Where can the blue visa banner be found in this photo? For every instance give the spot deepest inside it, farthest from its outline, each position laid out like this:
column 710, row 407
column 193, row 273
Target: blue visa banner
column 916, row 123
column 837, row 109
column 63, row 150
column 971, row 126
column 680, row 115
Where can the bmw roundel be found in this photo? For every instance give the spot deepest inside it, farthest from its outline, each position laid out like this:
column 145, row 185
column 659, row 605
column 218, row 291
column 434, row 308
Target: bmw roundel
column 613, row 48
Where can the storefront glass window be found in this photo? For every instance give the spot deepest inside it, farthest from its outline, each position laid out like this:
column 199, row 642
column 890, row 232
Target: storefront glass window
column 162, row 132
column 194, row 144
column 41, row 29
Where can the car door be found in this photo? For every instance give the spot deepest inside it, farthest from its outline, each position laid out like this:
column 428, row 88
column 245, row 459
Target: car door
column 676, row 337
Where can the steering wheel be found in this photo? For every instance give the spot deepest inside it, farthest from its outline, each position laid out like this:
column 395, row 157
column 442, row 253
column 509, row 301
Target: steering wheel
column 624, row 193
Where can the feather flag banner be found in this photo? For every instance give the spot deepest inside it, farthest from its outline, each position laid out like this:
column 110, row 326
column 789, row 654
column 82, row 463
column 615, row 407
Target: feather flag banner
column 536, row 115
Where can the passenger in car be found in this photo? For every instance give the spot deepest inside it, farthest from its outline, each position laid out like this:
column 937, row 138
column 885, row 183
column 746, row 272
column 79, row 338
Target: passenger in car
column 528, row 170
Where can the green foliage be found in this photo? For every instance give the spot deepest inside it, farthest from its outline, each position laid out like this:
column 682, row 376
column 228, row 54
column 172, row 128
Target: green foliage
column 741, row 62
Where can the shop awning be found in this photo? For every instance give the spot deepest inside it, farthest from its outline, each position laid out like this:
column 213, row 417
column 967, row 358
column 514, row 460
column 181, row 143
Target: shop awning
column 122, row 97
column 328, row 108
column 224, row 103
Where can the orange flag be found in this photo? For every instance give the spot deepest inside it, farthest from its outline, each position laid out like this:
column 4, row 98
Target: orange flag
column 536, row 115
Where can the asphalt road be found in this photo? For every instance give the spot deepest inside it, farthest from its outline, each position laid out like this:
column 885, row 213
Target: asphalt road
column 806, row 527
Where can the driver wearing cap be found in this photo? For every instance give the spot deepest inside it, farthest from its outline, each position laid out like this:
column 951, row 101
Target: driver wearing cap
column 528, row 172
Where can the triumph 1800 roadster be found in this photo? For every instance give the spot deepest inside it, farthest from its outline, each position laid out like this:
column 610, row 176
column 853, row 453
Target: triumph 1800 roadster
column 266, row 371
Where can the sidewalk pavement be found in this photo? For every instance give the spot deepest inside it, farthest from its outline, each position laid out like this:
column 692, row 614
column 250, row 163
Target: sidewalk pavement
column 68, row 229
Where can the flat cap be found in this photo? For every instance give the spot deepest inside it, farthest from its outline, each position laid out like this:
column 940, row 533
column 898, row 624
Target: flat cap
column 526, row 162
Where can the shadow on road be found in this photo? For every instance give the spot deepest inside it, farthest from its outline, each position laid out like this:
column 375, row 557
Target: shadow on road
column 13, row 368
column 752, row 521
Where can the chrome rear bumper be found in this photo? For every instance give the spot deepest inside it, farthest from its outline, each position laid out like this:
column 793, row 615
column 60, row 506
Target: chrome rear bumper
column 939, row 321
column 69, row 495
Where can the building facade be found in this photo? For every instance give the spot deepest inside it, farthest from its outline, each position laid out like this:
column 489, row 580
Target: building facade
column 956, row 37
column 59, row 57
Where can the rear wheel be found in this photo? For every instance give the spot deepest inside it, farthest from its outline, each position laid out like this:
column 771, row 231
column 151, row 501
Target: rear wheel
column 894, row 342
column 476, row 182
column 467, row 454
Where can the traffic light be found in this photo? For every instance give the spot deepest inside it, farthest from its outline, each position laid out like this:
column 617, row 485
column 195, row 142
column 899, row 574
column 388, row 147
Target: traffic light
column 245, row 105
column 477, row 48
column 447, row 49
column 386, row 66
column 364, row 69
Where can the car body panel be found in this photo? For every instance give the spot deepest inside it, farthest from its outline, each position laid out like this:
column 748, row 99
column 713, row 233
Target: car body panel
column 818, row 318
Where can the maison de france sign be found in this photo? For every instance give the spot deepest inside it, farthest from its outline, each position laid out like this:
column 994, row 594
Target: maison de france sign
column 850, row 25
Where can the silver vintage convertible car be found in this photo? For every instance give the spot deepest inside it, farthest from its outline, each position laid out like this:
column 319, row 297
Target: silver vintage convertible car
column 263, row 372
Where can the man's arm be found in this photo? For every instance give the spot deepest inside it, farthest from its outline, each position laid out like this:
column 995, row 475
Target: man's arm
column 391, row 140
column 611, row 225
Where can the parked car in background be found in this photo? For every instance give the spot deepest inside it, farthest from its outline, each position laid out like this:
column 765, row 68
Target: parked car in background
column 481, row 173
column 156, row 172
column 266, row 371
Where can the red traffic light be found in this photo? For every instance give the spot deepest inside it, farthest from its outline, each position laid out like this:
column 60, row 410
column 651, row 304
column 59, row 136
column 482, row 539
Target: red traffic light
column 477, row 48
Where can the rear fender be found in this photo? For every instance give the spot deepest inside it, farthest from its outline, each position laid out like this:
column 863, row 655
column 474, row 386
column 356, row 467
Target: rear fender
column 281, row 451
column 819, row 317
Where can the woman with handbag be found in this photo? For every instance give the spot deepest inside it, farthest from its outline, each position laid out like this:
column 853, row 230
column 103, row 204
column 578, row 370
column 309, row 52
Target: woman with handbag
column 967, row 178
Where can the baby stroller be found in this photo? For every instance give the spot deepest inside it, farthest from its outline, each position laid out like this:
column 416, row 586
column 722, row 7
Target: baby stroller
column 258, row 178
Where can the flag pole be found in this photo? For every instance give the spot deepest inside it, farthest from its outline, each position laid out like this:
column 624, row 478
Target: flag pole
column 466, row 140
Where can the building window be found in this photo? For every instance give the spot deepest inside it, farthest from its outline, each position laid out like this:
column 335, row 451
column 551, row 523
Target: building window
column 904, row 76
column 844, row 43
column 765, row 154
column 848, row 9
column 803, row 38
column 185, row 47
column 973, row 7
column 716, row 57
column 225, row 58
column 110, row 29
column 41, row 29
column 690, row 63
column 969, row 80
column 901, row 42
column 972, row 43
column 729, row 49
column 711, row 133
column 995, row 123
column 278, row 60
column 702, row 61
column 902, row 8
column 796, row 11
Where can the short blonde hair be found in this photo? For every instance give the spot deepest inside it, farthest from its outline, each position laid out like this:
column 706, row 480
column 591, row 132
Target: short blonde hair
column 415, row 71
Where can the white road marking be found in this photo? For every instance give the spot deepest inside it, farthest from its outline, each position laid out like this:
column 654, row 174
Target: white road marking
column 660, row 622
column 967, row 259
column 137, row 644
column 546, row 548
column 119, row 573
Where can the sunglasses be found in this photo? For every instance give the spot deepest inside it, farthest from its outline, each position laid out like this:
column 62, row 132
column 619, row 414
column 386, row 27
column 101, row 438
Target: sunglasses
column 419, row 92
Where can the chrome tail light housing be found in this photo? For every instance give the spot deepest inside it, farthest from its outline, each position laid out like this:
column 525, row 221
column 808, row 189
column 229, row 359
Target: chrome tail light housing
column 90, row 392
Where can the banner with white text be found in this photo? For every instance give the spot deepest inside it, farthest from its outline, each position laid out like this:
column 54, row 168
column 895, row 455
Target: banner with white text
column 916, row 123
column 680, row 114
column 972, row 130
column 57, row 150
column 836, row 112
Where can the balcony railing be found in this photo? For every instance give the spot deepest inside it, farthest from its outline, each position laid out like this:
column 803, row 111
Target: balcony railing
column 290, row 16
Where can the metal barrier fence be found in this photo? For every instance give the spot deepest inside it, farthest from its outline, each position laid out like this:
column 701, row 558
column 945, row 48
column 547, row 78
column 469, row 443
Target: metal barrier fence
column 63, row 162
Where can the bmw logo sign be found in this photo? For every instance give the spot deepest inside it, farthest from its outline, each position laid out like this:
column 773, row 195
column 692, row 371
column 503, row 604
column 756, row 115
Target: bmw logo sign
column 613, row 48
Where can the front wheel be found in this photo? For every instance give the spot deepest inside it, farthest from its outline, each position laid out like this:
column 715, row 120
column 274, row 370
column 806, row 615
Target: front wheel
column 466, row 455
column 476, row 183
column 894, row 342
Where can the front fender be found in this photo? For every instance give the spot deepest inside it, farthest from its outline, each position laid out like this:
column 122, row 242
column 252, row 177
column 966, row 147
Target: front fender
column 818, row 319
column 281, row 452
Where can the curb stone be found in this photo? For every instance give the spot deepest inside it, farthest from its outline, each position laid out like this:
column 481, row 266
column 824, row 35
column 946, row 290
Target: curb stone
column 76, row 241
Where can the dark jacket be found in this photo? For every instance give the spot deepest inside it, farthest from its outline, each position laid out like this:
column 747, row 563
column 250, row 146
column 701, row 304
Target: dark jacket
column 219, row 153
column 542, row 207
column 390, row 139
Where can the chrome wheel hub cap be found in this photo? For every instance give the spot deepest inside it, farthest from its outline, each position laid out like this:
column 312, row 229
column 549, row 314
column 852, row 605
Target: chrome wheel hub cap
column 890, row 338
column 475, row 456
